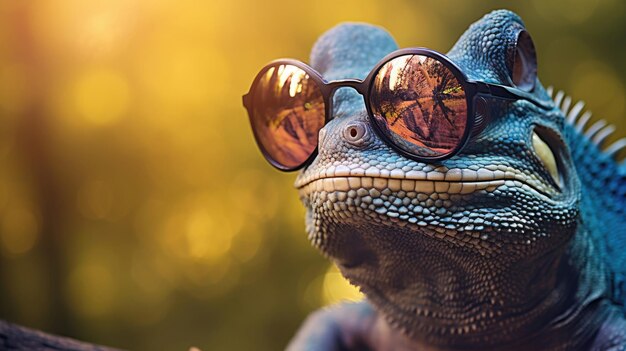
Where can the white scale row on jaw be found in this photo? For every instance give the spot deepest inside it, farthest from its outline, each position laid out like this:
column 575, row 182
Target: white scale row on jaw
column 490, row 173
column 420, row 186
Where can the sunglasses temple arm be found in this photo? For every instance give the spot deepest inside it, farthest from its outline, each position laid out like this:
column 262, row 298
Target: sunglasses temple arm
column 509, row 93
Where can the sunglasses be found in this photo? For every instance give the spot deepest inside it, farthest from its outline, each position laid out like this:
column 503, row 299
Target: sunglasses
column 418, row 101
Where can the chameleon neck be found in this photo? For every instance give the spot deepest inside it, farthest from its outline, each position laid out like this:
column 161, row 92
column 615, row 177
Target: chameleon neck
column 562, row 303
column 579, row 304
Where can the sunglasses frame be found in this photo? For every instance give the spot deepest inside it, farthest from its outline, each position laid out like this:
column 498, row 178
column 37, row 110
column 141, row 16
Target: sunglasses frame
column 472, row 90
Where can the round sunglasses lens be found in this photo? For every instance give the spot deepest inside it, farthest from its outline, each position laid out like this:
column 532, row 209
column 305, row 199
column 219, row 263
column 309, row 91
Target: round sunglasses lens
column 420, row 105
column 287, row 115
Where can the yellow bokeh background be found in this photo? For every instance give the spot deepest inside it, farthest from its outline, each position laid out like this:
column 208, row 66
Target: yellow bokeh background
column 135, row 209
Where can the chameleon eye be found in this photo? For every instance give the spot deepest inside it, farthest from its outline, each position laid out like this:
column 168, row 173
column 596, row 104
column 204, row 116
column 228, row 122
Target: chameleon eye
column 522, row 62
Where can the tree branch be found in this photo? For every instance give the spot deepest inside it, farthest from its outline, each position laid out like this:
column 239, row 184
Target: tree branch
column 14, row 338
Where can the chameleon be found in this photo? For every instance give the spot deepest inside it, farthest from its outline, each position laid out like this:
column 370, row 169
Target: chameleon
column 516, row 243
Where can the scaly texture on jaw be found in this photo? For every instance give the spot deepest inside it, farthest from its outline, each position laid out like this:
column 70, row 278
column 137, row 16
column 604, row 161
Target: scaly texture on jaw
column 415, row 201
column 439, row 200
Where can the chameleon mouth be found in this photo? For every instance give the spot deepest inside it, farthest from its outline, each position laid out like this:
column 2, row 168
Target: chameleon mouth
column 429, row 206
column 332, row 184
column 453, row 181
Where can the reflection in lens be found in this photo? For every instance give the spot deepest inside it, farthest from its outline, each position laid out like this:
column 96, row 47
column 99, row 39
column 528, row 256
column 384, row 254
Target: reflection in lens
column 287, row 114
column 420, row 105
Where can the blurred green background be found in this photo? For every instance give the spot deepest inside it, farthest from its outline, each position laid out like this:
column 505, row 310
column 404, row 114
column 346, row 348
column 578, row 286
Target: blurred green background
column 135, row 209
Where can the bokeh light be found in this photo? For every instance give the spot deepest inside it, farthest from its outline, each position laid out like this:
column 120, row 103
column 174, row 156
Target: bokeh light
column 19, row 231
column 101, row 96
column 135, row 208
column 336, row 288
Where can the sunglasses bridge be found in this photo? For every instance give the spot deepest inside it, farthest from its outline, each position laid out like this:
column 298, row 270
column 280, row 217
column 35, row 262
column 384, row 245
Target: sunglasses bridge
column 329, row 89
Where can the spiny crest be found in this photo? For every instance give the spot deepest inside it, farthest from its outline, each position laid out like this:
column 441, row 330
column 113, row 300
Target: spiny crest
column 596, row 133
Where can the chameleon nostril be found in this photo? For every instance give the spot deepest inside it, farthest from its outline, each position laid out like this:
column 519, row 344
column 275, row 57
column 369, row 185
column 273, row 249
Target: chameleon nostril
column 356, row 133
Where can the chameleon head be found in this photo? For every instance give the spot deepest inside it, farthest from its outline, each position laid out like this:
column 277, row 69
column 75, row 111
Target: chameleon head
column 429, row 243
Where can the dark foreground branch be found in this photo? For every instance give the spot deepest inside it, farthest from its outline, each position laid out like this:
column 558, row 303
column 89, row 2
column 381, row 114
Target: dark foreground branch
column 13, row 338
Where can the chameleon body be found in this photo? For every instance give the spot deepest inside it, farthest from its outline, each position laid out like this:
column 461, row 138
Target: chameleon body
column 516, row 243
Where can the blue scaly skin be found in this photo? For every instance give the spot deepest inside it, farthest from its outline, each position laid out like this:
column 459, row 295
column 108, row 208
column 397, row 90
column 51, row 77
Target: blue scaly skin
column 516, row 243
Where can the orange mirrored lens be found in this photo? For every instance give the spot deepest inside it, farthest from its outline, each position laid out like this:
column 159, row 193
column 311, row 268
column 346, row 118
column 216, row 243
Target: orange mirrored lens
column 287, row 114
column 419, row 104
